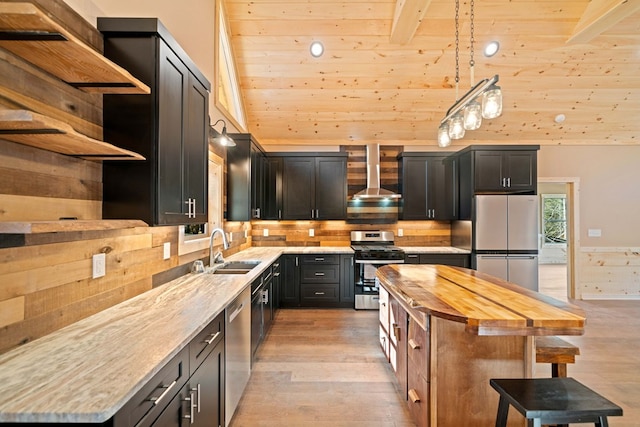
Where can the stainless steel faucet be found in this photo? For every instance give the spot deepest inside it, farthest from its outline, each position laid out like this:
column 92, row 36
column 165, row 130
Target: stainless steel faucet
column 217, row 258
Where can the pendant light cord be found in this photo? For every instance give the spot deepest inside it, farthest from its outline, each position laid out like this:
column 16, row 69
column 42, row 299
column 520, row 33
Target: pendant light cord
column 472, row 41
column 457, row 20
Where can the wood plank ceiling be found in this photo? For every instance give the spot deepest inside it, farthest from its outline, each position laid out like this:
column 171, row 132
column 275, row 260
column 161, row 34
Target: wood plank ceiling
column 579, row 58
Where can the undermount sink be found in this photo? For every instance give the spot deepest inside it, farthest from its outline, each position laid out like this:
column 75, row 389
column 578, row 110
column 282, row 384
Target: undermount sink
column 235, row 267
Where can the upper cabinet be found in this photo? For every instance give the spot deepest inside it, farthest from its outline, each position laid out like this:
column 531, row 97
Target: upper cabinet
column 428, row 186
column 489, row 169
column 169, row 127
column 246, row 169
column 314, row 186
column 27, row 31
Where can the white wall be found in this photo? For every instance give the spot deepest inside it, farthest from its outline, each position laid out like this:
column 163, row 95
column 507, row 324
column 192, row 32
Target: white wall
column 609, row 189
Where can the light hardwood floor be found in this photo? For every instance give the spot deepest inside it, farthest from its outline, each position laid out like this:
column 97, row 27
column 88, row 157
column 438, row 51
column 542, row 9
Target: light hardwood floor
column 322, row 368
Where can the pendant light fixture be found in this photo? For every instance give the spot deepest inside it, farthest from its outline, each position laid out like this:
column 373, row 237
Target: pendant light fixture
column 222, row 138
column 482, row 101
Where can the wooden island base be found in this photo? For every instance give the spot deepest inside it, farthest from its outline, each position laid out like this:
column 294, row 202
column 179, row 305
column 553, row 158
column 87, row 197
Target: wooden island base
column 448, row 330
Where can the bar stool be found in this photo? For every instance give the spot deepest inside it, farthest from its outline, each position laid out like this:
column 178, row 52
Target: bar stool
column 545, row 401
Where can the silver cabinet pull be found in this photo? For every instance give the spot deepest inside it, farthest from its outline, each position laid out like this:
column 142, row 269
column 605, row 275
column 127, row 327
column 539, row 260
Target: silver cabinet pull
column 193, row 212
column 236, row 312
column 257, row 212
column 213, row 338
column 157, row 400
column 319, row 274
column 265, row 297
column 509, row 182
column 412, row 256
column 279, row 213
column 319, row 293
column 191, row 399
column 197, row 390
column 319, row 259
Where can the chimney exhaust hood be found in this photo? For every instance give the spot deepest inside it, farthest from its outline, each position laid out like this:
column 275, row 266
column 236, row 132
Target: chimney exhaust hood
column 373, row 190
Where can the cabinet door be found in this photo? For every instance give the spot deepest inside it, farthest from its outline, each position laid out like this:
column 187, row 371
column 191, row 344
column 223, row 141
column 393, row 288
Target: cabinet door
column 347, row 279
column 440, row 190
column 172, row 89
column 398, row 326
column 258, row 170
column 521, row 170
column 298, row 186
column 414, row 187
column 489, row 171
column 331, row 188
column 207, row 387
column 290, row 284
column 196, row 149
column 273, row 188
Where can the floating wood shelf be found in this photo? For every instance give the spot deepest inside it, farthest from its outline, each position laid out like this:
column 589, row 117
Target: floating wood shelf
column 26, row 127
column 39, row 227
column 28, row 32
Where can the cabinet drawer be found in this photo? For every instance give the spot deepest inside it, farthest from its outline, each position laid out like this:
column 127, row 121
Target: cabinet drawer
column 418, row 399
column 145, row 406
column 205, row 341
column 312, row 292
column 444, row 259
column 320, row 259
column 418, row 349
column 320, row 273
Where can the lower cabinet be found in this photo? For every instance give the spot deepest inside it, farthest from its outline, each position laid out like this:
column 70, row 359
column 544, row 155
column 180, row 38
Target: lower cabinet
column 319, row 280
column 200, row 402
column 406, row 346
column 188, row 390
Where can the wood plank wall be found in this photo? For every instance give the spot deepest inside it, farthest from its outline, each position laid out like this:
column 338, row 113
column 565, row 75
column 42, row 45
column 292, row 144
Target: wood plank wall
column 609, row 273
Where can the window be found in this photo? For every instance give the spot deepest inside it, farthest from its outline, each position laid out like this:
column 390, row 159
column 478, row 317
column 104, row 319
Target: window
column 554, row 219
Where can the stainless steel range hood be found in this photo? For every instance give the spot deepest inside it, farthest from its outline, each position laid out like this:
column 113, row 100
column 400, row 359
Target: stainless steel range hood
column 373, row 190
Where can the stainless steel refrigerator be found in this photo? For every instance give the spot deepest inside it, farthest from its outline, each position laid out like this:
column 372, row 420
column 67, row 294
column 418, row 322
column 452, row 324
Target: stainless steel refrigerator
column 505, row 238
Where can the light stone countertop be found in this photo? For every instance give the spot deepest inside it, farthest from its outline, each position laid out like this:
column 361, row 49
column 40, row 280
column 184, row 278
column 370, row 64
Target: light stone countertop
column 434, row 250
column 88, row 370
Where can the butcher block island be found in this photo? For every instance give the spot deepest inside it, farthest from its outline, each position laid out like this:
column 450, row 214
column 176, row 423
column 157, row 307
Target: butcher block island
column 448, row 330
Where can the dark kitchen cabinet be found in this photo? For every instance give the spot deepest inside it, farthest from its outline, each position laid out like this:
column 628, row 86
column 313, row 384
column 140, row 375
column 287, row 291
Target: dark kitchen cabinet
column 201, row 401
column 428, row 183
column 347, row 280
column 273, row 188
column 495, row 170
column 290, row 284
column 246, row 169
column 314, row 186
column 169, row 128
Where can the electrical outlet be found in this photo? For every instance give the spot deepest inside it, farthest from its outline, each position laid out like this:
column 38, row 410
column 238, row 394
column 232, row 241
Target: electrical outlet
column 166, row 250
column 400, row 232
column 311, row 232
column 99, row 265
column 265, row 232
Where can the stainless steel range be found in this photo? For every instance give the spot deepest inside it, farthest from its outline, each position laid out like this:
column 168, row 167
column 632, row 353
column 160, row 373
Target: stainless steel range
column 372, row 249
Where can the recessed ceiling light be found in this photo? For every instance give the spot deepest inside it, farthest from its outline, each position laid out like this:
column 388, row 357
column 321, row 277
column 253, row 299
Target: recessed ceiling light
column 559, row 118
column 316, row 49
column 491, row 48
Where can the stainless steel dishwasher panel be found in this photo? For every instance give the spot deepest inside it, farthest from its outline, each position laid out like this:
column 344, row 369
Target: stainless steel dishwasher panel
column 238, row 351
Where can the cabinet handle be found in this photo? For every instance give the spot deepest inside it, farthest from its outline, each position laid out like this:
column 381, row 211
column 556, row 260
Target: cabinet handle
column 312, row 213
column 508, row 182
column 412, row 256
column 276, row 274
column 317, row 213
column 396, row 331
column 157, row 400
column 319, row 274
column 319, row 293
column 197, row 390
column 296, row 261
column 319, row 259
column 279, row 213
column 414, row 345
column 265, row 297
column 193, row 212
column 413, row 395
column 213, row 338
column 276, row 264
column 191, row 415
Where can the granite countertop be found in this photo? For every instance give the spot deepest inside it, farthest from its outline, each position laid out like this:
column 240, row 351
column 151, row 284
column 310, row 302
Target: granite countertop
column 88, row 370
column 485, row 304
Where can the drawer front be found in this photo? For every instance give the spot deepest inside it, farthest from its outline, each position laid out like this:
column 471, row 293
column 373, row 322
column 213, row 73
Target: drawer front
column 384, row 342
column 457, row 260
column 155, row 395
column 320, row 274
column 418, row 399
column 383, row 314
column 320, row 259
column 418, row 349
column 205, row 341
column 329, row 292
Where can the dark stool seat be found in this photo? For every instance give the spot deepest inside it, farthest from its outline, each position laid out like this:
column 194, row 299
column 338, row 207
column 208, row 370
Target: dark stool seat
column 545, row 401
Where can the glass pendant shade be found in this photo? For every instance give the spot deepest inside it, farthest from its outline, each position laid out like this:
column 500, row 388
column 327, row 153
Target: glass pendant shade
column 443, row 135
column 472, row 115
column 492, row 103
column 456, row 126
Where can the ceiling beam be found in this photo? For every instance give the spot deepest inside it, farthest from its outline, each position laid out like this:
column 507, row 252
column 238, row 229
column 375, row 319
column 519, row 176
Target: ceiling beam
column 599, row 16
column 407, row 18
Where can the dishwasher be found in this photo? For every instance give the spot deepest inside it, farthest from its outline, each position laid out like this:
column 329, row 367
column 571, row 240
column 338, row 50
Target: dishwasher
column 238, row 351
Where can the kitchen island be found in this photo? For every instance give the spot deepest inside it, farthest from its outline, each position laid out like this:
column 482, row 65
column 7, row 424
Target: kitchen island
column 448, row 330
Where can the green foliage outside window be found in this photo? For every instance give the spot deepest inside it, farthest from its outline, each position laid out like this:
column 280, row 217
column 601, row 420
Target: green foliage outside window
column 554, row 220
